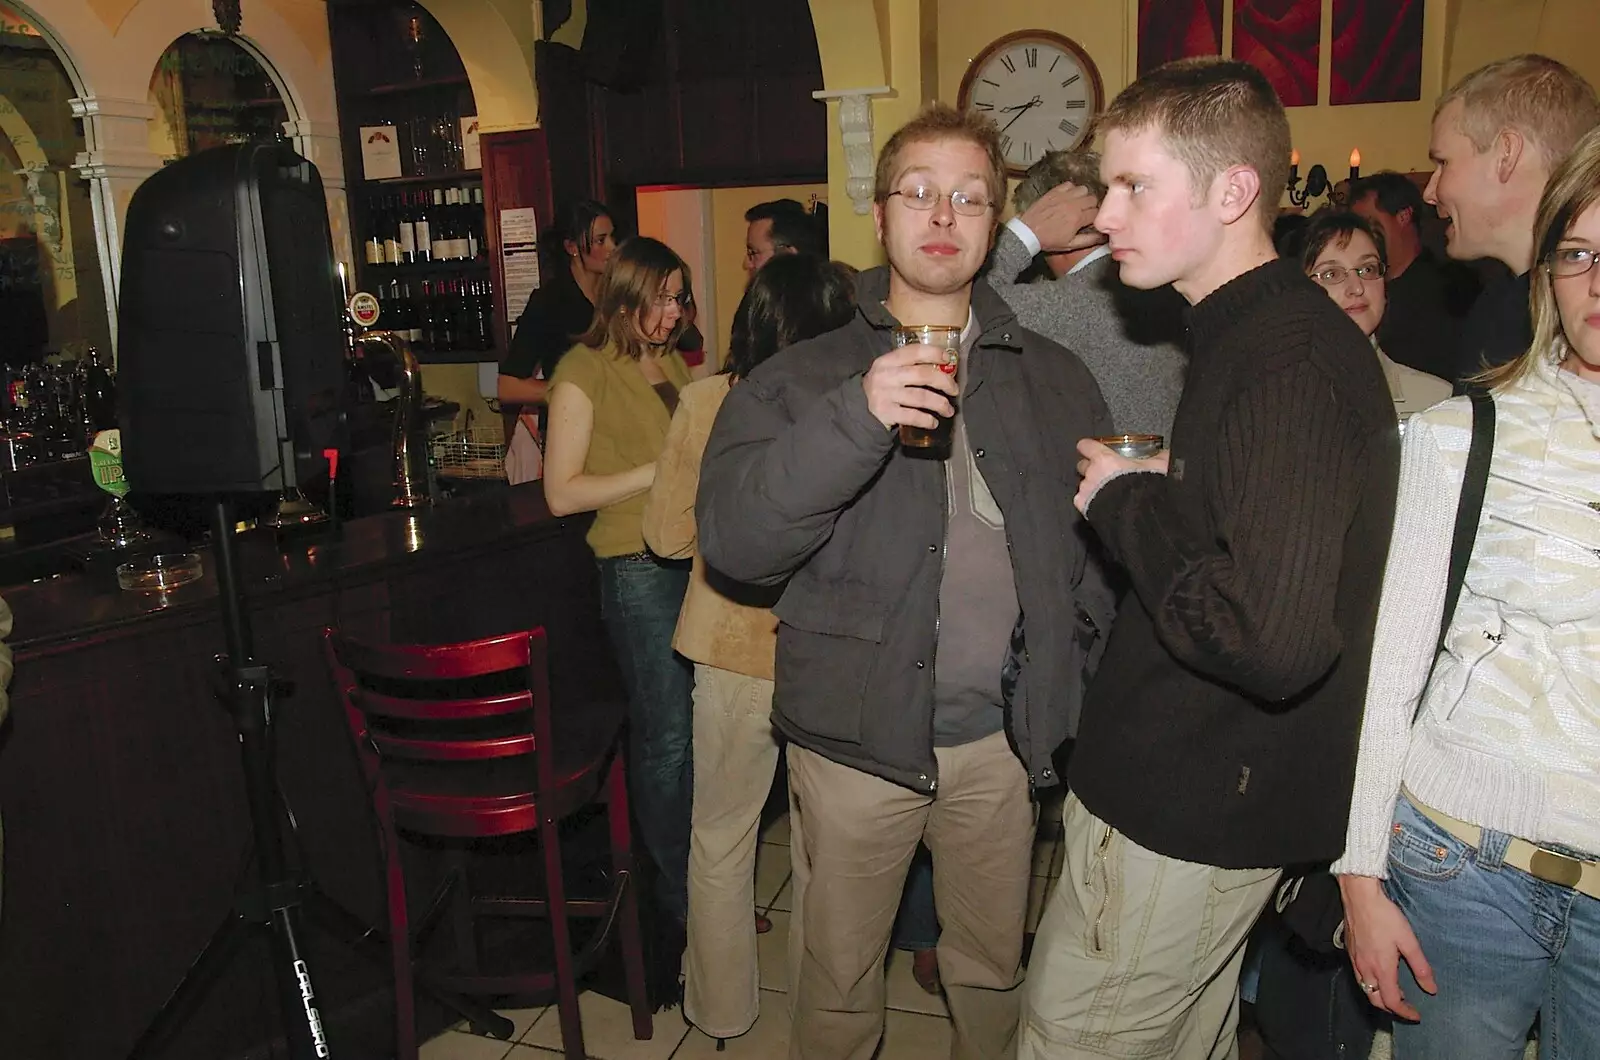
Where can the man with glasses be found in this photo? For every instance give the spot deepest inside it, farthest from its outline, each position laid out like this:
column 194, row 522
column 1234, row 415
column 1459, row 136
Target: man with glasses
column 936, row 620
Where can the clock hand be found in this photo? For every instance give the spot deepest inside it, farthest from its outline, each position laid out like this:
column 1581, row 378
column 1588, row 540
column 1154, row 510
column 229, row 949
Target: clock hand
column 1034, row 102
column 1026, row 107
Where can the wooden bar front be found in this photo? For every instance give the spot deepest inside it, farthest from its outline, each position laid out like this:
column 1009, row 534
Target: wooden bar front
column 126, row 829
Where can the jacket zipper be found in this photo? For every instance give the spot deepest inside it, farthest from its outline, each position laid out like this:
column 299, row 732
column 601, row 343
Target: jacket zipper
column 1472, row 670
column 933, row 665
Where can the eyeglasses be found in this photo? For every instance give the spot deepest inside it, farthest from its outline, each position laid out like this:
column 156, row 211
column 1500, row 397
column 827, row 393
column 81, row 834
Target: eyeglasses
column 1336, row 275
column 666, row 298
column 921, row 197
column 1567, row 262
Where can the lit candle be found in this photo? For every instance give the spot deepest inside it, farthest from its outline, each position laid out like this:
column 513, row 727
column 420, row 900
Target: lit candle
column 1355, row 163
column 1294, row 165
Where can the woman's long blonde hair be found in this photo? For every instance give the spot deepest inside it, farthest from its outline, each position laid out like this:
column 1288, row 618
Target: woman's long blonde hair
column 1572, row 189
column 628, row 290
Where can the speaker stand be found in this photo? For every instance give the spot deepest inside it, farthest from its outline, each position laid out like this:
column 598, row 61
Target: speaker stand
column 275, row 904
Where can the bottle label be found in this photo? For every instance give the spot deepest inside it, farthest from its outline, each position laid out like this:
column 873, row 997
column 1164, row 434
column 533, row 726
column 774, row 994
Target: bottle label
column 424, row 240
column 391, row 251
column 408, row 239
column 374, row 251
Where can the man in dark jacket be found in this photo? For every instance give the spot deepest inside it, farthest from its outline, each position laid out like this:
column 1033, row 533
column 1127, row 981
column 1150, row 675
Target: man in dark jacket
column 912, row 586
column 1219, row 735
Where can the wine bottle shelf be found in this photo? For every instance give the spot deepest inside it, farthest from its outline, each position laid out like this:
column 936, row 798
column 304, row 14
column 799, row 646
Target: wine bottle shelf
column 434, row 178
column 418, row 85
column 424, row 268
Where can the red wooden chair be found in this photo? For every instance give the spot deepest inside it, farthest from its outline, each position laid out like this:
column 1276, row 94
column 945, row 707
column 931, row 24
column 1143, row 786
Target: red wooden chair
column 460, row 741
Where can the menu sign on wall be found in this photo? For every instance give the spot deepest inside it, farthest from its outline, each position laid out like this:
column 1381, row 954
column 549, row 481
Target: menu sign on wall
column 380, row 152
column 519, row 257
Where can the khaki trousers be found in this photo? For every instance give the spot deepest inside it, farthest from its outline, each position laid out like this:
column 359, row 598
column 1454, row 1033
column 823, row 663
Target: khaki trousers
column 852, row 837
column 735, row 756
column 1137, row 954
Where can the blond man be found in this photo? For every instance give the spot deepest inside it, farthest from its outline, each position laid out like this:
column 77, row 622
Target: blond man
column 913, row 710
column 1219, row 731
column 1497, row 136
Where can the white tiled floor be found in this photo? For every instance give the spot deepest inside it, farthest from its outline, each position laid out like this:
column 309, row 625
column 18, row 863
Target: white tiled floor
column 917, row 1028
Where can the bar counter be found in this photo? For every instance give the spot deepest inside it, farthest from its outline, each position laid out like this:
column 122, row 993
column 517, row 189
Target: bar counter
column 126, row 829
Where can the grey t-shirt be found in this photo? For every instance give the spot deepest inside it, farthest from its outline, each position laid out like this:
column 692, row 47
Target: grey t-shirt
column 977, row 597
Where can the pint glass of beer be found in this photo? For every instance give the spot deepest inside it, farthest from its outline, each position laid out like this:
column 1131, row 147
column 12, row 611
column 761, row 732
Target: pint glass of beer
column 933, row 443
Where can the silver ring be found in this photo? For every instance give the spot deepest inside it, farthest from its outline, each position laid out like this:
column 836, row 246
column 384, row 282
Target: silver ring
column 1370, row 988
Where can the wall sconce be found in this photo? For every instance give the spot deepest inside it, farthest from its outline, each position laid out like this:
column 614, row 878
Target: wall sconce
column 1317, row 182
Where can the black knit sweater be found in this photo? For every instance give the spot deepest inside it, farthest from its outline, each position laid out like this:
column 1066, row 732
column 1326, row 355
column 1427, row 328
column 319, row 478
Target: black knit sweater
column 1221, row 727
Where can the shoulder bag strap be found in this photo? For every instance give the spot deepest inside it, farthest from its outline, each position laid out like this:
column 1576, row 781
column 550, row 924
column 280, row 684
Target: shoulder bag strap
column 1468, row 511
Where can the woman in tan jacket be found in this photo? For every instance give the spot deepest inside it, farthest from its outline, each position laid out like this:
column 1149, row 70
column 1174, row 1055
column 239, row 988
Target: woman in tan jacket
column 731, row 636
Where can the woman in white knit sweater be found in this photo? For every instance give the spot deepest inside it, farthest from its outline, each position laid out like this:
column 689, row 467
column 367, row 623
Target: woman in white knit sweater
column 1470, row 879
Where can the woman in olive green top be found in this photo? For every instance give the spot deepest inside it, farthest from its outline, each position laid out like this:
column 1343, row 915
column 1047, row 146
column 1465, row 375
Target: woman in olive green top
column 611, row 401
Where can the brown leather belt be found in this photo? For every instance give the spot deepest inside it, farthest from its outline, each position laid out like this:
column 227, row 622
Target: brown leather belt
column 1547, row 865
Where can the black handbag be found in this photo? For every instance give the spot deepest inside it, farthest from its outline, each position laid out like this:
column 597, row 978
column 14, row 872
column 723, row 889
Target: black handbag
column 1309, row 903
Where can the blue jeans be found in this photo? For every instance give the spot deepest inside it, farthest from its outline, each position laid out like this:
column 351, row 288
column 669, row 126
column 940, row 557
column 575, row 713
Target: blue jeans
column 639, row 602
column 1505, row 948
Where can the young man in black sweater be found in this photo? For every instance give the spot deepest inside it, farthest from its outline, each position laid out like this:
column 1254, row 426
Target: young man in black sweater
column 1218, row 738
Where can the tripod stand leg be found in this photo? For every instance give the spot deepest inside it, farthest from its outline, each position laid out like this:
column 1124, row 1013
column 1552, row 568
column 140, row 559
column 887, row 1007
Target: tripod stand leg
column 192, row 989
column 353, row 932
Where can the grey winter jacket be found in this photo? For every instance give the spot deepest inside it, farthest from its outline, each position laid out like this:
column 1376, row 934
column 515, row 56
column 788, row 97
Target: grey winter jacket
column 801, row 482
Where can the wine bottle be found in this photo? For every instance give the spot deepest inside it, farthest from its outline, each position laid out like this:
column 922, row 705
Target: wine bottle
column 424, row 224
column 410, row 323
column 439, row 227
column 407, row 220
column 474, row 213
column 375, row 230
column 391, row 230
column 452, row 230
column 99, row 393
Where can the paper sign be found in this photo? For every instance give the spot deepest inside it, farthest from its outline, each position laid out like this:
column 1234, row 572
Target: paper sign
column 519, row 257
column 380, row 152
column 471, row 155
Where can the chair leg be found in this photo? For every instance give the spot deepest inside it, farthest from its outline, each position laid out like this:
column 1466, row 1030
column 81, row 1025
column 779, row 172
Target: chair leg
column 622, row 868
column 566, row 978
column 405, row 1001
column 461, row 914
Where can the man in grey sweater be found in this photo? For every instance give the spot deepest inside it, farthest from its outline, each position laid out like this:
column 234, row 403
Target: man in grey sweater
column 1131, row 340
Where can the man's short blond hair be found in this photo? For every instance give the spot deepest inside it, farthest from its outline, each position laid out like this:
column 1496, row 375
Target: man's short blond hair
column 940, row 121
column 1211, row 114
column 1546, row 101
column 1080, row 167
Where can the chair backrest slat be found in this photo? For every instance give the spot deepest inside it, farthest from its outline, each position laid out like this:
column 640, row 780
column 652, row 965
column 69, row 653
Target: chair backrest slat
column 377, row 704
column 454, row 750
column 438, row 662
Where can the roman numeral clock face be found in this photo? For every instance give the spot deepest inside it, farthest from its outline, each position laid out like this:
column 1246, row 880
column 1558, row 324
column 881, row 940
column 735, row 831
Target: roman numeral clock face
column 1040, row 88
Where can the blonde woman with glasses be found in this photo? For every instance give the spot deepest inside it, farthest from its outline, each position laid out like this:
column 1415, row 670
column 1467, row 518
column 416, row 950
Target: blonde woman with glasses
column 1471, row 872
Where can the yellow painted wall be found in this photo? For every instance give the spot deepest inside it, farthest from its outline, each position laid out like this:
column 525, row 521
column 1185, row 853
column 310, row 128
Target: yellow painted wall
column 727, row 239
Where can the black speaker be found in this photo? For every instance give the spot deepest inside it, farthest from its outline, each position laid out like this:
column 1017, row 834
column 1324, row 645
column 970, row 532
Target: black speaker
column 230, row 354
column 619, row 42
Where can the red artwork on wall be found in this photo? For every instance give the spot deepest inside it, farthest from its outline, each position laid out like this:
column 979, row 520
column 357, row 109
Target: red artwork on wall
column 1281, row 39
column 1377, row 51
column 1177, row 29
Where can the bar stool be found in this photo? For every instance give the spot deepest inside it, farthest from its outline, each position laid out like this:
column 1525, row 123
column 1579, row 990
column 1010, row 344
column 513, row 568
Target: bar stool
column 460, row 742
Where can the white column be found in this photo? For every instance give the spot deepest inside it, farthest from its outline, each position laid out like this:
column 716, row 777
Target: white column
column 855, row 133
column 118, row 159
column 319, row 142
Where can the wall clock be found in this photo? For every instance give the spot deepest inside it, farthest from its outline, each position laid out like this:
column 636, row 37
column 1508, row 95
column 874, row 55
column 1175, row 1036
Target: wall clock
column 1040, row 88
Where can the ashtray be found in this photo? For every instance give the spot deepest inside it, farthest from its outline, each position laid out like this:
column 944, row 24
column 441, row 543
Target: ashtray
column 159, row 572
